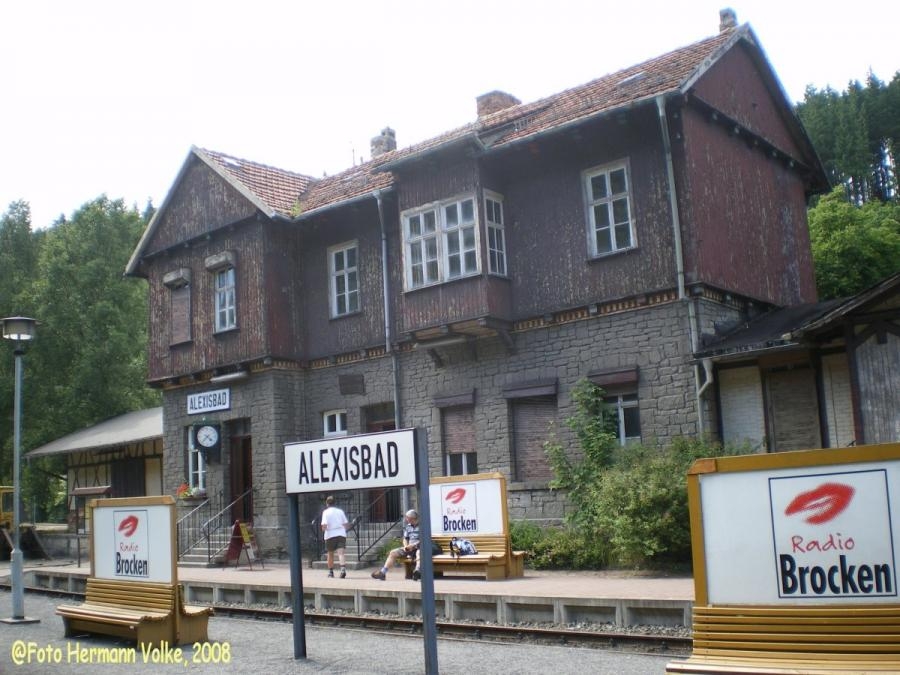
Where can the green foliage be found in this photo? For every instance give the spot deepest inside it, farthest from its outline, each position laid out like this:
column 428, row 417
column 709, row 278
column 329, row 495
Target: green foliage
column 857, row 136
column 853, row 246
column 88, row 360
column 628, row 505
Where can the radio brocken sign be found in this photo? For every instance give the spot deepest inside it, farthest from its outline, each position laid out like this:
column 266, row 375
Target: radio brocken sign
column 802, row 535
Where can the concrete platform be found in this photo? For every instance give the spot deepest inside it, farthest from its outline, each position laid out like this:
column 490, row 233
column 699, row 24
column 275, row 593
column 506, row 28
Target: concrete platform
column 619, row 598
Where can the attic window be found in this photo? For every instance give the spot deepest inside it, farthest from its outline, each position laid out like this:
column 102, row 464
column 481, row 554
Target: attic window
column 231, row 161
column 632, row 78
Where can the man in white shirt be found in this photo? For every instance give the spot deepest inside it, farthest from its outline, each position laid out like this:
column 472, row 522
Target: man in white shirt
column 334, row 525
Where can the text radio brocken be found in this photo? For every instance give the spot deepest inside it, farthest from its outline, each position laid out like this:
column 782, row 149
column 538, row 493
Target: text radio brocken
column 133, row 566
column 819, row 506
column 454, row 519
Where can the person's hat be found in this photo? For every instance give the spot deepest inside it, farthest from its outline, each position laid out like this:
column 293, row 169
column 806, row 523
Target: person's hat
column 412, row 513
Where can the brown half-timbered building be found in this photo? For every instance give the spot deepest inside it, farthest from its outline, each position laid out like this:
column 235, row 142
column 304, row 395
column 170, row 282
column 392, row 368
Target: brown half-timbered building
column 465, row 284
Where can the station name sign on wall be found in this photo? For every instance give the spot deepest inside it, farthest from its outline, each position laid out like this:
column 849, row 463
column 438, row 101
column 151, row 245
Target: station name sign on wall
column 802, row 534
column 381, row 460
column 209, row 401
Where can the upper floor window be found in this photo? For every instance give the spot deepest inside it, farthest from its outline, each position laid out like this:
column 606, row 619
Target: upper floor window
column 226, row 315
column 608, row 193
column 344, row 280
column 493, row 215
column 335, row 423
column 440, row 243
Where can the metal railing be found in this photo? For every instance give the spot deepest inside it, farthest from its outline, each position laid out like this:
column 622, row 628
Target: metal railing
column 209, row 518
column 189, row 528
column 222, row 521
column 368, row 532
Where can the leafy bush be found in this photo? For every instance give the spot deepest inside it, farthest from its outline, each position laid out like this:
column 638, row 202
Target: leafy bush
column 629, row 505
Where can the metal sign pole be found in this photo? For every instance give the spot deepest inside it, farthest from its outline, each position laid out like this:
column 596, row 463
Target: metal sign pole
column 296, row 577
column 429, row 624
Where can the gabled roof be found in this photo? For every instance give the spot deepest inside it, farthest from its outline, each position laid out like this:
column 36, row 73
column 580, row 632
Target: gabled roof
column 133, row 427
column 294, row 196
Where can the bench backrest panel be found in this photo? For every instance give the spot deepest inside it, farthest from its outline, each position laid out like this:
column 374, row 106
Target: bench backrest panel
column 484, row 543
column 131, row 594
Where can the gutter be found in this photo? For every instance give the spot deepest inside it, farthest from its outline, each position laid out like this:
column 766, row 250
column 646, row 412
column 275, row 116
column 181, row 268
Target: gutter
column 707, row 379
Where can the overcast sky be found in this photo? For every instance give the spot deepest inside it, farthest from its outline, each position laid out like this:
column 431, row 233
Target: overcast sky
column 107, row 96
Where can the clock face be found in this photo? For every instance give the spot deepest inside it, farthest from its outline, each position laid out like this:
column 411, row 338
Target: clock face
column 207, row 436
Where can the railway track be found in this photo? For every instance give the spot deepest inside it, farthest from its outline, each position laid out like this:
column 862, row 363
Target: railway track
column 452, row 630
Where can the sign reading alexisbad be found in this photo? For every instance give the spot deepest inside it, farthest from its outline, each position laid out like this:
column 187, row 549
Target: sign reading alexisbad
column 386, row 459
column 802, row 535
column 132, row 543
column 208, row 401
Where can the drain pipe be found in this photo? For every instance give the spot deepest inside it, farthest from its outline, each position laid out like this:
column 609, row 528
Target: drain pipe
column 679, row 264
column 386, row 297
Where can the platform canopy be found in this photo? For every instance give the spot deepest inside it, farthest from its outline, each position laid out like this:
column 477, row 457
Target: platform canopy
column 133, row 427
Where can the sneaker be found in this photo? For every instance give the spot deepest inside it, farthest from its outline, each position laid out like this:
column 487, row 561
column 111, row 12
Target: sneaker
column 416, row 575
column 378, row 575
column 343, row 574
column 331, row 574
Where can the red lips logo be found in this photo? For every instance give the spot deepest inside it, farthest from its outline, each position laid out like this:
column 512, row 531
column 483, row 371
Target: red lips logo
column 456, row 495
column 822, row 504
column 128, row 526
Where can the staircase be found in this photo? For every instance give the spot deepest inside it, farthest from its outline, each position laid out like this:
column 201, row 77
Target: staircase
column 205, row 533
column 360, row 552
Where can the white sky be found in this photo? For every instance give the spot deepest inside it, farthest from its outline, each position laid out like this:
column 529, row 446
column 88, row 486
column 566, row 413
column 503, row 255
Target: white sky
column 107, row 96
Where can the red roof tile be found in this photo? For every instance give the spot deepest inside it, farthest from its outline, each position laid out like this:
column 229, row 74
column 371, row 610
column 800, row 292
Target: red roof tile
column 293, row 194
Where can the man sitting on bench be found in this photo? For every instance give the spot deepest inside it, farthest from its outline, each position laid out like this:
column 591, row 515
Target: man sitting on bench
column 410, row 548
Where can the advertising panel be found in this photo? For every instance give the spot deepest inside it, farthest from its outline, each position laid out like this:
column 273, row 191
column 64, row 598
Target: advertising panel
column 464, row 506
column 802, row 535
column 133, row 541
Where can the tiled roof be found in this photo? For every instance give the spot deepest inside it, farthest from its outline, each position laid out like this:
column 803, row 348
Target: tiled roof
column 292, row 194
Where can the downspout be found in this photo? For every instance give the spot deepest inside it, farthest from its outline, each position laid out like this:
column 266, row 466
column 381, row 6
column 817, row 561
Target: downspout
column 699, row 388
column 386, row 299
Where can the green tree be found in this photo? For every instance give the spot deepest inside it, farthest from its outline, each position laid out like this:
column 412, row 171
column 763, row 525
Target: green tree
column 88, row 361
column 853, row 246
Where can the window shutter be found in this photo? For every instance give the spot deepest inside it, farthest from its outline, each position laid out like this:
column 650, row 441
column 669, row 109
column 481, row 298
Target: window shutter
column 458, row 429
column 531, row 420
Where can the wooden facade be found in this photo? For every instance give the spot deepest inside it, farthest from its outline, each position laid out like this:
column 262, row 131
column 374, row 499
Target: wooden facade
column 718, row 170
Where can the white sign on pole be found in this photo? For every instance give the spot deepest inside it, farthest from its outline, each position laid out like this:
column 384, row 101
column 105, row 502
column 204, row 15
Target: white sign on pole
column 381, row 460
column 802, row 535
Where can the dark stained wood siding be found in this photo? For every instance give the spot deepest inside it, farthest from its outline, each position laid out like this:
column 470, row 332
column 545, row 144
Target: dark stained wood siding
column 325, row 334
column 201, row 202
column 546, row 217
column 207, row 349
column 743, row 216
column 736, row 85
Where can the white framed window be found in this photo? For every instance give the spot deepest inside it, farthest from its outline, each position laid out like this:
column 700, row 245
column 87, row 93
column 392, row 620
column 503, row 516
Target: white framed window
column 627, row 417
column 461, row 463
column 226, row 314
column 344, row 279
column 334, row 423
column 441, row 242
column 196, row 465
column 610, row 220
column 493, row 216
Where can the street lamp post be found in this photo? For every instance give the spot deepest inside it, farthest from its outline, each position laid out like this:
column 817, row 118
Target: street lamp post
column 20, row 330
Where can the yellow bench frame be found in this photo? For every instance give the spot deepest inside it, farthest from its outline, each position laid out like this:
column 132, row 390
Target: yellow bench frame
column 147, row 612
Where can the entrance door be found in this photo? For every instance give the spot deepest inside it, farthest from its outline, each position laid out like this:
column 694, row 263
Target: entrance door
column 241, row 478
column 384, row 504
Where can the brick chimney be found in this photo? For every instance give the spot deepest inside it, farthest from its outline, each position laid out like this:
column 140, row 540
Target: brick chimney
column 384, row 142
column 493, row 101
column 727, row 19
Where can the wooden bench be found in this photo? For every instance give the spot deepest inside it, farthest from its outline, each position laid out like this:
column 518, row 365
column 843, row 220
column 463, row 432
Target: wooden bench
column 495, row 558
column 756, row 639
column 147, row 612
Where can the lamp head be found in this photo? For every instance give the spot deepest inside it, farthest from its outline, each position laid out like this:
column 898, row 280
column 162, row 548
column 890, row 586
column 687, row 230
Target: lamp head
column 18, row 328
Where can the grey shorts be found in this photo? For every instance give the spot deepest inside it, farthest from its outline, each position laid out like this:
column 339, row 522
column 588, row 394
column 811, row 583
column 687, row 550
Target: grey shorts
column 335, row 543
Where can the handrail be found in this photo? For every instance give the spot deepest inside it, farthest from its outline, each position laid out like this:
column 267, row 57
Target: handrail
column 189, row 528
column 369, row 532
column 218, row 522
